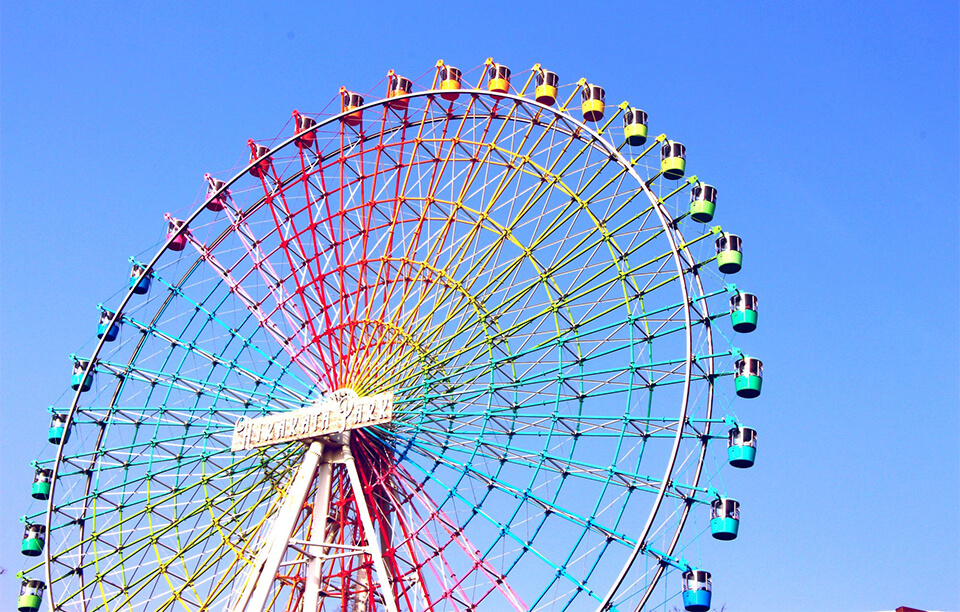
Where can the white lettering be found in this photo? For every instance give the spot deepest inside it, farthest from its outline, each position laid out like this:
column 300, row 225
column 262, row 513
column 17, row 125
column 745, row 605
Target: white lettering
column 332, row 413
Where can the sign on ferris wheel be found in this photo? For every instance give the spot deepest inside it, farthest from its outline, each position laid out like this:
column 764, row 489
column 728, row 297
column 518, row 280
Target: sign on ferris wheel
column 337, row 412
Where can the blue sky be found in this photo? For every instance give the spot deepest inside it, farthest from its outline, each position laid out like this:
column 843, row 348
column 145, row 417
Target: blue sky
column 834, row 127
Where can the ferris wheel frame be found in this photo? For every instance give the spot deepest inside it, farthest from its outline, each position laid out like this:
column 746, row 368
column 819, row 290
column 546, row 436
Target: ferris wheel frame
column 684, row 263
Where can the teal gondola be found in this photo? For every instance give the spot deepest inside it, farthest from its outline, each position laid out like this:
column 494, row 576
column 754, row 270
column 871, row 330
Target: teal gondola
column 77, row 379
column 748, row 378
column 724, row 518
column 32, row 543
column 742, row 447
column 743, row 312
column 41, row 484
column 58, row 429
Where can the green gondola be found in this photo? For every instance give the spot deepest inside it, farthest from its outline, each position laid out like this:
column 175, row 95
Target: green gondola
column 673, row 160
column 31, row 593
column 703, row 202
column 41, row 484
column 729, row 253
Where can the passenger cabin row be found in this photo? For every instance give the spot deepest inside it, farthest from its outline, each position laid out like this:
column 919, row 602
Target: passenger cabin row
column 498, row 82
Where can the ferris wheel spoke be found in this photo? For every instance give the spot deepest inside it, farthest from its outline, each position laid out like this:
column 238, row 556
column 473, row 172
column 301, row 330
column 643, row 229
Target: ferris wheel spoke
column 508, row 422
column 266, row 321
column 135, row 543
column 505, row 531
column 219, row 326
column 527, row 496
column 248, row 400
column 554, row 463
column 274, row 281
column 423, row 530
column 214, row 359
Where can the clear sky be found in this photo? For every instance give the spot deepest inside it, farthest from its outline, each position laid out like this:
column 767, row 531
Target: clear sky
column 831, row 126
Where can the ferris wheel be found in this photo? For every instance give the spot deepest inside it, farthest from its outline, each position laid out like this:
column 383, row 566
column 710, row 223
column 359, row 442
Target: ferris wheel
column 459, row 342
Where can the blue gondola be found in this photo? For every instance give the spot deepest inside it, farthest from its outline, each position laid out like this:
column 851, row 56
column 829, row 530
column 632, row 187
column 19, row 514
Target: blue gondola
column 58, row 429
column 724, row 518
column 105, row 329
column 742, row 447
column 143, row 285
column 697, row 591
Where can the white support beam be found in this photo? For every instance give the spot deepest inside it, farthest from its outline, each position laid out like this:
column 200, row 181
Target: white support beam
column 318, row 532
column 317, row 464
column 373, row 541
column 253, row 598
